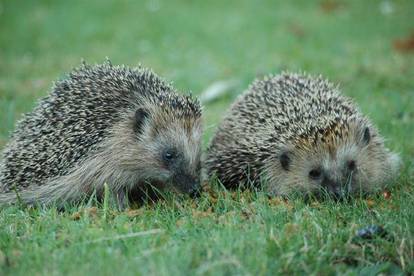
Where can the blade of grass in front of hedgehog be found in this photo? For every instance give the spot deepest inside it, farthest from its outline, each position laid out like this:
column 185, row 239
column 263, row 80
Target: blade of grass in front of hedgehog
column 106, row 202
column 19, row 199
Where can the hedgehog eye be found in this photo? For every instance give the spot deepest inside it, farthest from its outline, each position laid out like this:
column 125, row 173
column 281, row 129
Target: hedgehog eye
column 140, row 116
column 351, row 164
column 285, row 160
column 367, row 136
column 169, row 155
column 315, row 173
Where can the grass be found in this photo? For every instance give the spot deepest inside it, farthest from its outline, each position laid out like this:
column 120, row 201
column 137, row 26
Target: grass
column 194, row 45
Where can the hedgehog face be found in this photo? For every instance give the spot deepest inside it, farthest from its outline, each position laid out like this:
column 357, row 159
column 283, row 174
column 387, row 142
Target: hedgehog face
column 172, row 149
column 356, row 162
column 179, row 153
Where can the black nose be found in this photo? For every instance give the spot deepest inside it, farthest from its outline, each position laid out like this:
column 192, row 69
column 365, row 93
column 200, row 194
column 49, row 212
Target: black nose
column 334, row 188
column 187, row 184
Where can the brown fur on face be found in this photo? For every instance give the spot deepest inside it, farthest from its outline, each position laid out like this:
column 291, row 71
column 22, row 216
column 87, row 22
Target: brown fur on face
column 142, row 153
column 343, row 164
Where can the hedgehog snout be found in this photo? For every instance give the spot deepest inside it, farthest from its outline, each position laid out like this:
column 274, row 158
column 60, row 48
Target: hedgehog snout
column 335, row 186
column 187, row 183
column 330, row 184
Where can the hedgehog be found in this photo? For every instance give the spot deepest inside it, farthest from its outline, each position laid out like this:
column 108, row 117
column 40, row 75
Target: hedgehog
column 296, row 134
column 104, row 125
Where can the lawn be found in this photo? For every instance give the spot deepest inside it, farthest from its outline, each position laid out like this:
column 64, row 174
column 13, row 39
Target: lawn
column 363, row 45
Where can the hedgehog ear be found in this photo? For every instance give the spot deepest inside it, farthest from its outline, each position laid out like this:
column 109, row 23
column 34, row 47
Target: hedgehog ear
column 366, row 136
column 141, row 114
column 285, row 160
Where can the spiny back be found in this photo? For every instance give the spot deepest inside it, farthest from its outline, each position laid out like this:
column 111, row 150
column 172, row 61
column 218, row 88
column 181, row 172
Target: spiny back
column 294, row 106
column 77, row 115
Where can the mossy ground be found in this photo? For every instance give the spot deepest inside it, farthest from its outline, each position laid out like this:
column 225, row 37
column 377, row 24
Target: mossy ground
column 364, row 45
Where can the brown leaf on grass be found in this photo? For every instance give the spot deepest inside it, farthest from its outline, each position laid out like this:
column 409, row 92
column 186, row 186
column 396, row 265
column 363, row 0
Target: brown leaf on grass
column 405, row 44
column 206, row 187
column 278, row 201
column 386, row 195
column 348, row 260
column 180, row 222
column 370, row 203
column 315, row 204
column 193, row 204
column 233, row 195
column 247, row 213
column 275, row 201
column 246, row 196
column 213, row 200
column 132, row 213
column 76, row 216
column 91, row 212
column 329, row 6
column 212, row 195
column 202, row 214
column 224, row 218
